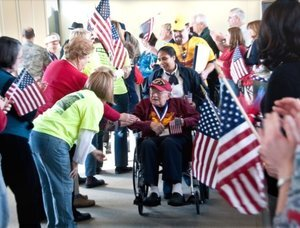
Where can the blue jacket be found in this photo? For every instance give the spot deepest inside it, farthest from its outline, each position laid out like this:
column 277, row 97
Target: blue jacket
column 16, row 125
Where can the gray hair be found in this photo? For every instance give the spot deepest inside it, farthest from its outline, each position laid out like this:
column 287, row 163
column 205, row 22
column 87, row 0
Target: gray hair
column 239, row 13
column 198, row 18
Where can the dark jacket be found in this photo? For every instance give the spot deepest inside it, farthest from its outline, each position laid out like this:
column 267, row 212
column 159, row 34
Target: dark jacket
column 178, row 107
column 252, row 58
column 284, row 82
column 206, row 36
column 191, row 83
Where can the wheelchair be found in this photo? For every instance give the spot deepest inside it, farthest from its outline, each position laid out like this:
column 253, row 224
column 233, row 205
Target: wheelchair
column 141, row 190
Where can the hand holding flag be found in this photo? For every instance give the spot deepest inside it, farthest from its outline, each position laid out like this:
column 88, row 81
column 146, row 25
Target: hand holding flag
column 101, row 25
column 25, row 94
column 175, row 126
column 107, row 33
column 238, row 68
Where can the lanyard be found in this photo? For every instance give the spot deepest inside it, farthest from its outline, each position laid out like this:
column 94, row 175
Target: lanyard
column 161, row 115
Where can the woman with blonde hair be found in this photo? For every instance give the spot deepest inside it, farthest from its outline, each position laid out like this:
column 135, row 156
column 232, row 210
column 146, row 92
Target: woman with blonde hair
column 73, row 118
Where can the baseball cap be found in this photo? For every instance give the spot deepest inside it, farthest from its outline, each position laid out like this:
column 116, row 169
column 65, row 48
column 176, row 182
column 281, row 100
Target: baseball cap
column 179, row 23
column 51, row 38
column 76, row 25
column 161, row 85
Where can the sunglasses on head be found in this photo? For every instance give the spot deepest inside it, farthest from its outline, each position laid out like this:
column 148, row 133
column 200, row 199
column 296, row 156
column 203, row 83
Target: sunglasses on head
column 158, row 81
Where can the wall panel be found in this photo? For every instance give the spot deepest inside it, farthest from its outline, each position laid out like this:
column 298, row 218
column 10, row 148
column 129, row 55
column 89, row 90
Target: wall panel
column 18, row 14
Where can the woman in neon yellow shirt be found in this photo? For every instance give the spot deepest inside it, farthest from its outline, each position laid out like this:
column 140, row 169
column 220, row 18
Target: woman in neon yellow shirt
column 74, row 118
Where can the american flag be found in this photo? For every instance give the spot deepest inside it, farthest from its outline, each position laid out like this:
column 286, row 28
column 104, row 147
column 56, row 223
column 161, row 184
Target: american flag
column 238, row 68
column 205, row 145
column 119, row 49
column 240, row 172
column 175, row 126
column 101, row 25
column 147, row 28
column 107, row 33
column 25, row 94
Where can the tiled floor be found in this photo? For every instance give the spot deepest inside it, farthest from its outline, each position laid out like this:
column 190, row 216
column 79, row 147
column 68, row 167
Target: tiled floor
column 114, row 207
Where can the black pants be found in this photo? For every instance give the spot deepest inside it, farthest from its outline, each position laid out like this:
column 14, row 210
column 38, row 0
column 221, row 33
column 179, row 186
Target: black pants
column 170, row 151
column 20, row 174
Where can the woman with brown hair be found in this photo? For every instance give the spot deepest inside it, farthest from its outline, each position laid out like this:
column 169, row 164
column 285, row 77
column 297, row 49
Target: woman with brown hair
column 234, row 38
column 252, row 57
column 19, row 171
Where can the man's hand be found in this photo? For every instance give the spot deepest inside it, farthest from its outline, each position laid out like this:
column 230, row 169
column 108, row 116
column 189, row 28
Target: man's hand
column 74, row 171
column 98, row 154
column 42, row 85
column 158, row 128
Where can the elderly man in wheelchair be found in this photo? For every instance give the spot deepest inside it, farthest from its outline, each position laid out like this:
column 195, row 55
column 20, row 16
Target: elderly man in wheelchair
column 165, row 124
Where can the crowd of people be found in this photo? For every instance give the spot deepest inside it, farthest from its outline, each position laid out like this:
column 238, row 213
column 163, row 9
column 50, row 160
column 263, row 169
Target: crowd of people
column 84, row 91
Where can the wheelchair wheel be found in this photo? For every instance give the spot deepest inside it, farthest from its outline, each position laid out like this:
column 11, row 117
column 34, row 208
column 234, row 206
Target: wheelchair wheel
column 135, row 173
column 139, row 188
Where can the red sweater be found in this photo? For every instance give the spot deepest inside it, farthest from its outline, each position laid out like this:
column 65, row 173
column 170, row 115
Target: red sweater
column 177, row 107
column 3, row 120
column 62, row 78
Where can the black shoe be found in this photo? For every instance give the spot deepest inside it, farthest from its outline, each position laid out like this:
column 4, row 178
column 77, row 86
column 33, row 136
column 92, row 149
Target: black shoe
column 176, row 200
column 92, row 182
column 152, row 201
column 120, row 170
column 79, row 217
column 81, row 180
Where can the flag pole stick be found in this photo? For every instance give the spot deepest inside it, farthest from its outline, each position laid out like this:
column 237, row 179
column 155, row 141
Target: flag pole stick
column 237, row 102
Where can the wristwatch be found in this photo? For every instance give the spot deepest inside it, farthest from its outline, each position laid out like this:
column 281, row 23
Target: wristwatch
column 282, row 181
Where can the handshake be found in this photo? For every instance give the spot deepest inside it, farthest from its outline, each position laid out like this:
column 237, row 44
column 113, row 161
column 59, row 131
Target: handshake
column 125, row 119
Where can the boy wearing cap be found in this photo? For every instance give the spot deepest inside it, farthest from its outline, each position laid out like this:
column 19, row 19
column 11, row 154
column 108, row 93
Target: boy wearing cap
column 158, row 114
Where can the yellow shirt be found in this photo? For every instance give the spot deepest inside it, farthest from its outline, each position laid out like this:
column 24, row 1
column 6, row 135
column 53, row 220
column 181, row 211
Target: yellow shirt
column 185, row 53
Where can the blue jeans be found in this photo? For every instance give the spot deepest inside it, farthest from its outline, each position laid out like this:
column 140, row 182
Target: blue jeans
column 52, row 159
column 4, row 212
column 91, row 162
column 121, row 147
